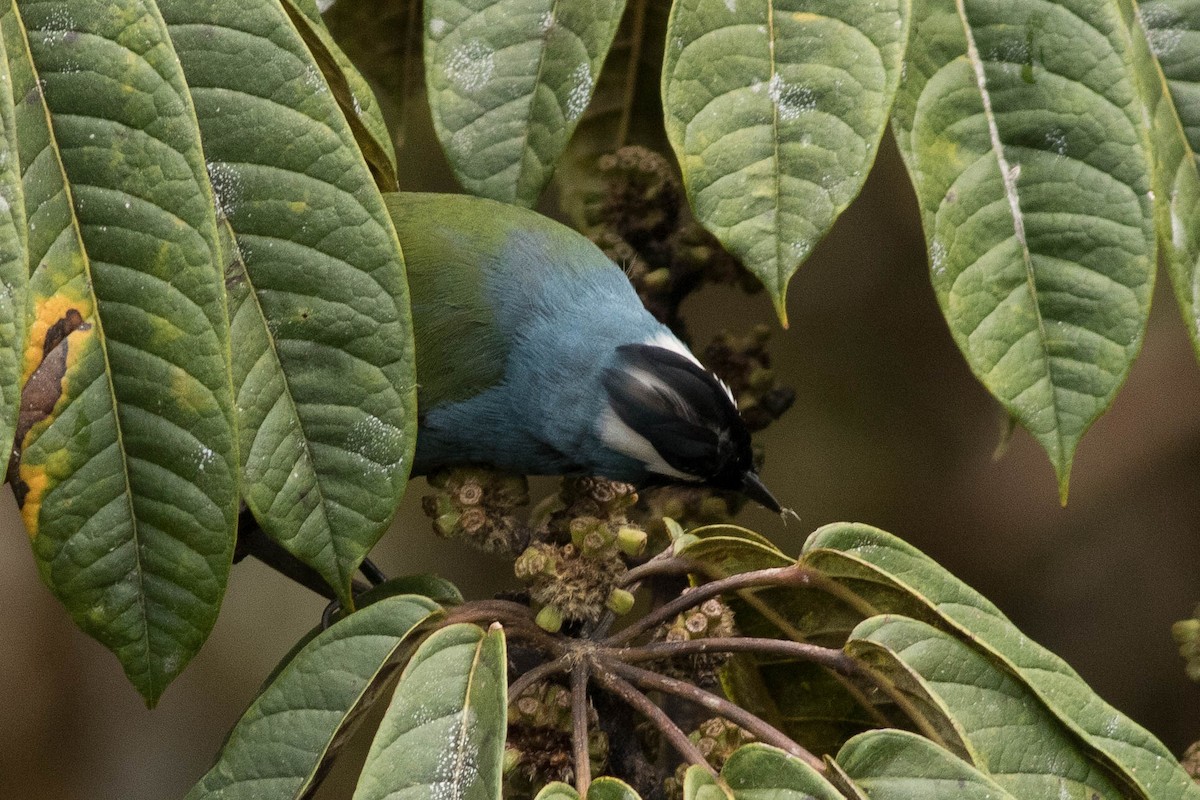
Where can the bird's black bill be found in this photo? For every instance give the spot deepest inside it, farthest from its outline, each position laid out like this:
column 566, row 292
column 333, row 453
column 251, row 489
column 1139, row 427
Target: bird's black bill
column 753, row 488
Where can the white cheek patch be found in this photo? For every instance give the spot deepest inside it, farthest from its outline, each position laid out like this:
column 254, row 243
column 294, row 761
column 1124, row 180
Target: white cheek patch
column 668, row 341
column 625, row 440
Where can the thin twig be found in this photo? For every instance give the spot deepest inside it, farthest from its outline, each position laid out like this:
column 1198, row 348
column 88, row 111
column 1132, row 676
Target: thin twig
column 579, row 727
column 518, row 622
column 538, row 673
column 775, row 576
column 635, row 58
column 665, row 725
column 836, row 660
column 662, row 564
column 762, row 731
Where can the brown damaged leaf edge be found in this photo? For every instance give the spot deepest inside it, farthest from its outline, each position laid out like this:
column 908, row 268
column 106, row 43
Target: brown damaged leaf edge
column 43, row 390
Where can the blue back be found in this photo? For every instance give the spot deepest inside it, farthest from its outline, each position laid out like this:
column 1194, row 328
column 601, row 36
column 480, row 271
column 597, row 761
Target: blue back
column 563, row 309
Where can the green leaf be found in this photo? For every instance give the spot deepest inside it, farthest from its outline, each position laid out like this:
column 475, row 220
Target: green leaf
column 897, row 765
column 1006, row 730
column 1166, row 34
column 443, row 734
column 606, row 788
column 278, row 748
column 759, row 772
column 127, row 477
column 1032, row 172
column 775, row 109
column 324, row 365
column 351, row 92
column 699, row 784
column 881, row 567
column 14, row 263
column 557, row 790
column 508, row 80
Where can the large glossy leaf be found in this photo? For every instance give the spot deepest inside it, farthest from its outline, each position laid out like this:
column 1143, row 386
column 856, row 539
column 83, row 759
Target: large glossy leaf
column 1166, row 35
column 896, row 765
column 508, row 80
column 1032, row 172
column 881, row 568
column 351, row 91
column 14, row 263
column 126, row 477
column 443, row 734
column 277, row 750
column 324, row 367
column 1006, row 731
column 775, row 109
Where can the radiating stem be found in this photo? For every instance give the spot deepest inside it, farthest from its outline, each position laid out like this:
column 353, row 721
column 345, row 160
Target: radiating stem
column 538, row 673
column 825, row 656
column 776, row 576
column 579, row 727
column 768, row 734
column 641, row 704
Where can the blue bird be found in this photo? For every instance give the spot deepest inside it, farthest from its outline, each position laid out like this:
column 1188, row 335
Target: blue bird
column 536, row 356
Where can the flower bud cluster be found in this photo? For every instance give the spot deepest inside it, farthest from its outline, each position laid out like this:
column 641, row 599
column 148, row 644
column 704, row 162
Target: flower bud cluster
column 710, row 620
column 716, row 739
column 579, row 552
column 538, row 748
column 1187, row 636
column 641, row 220
column 479, row 505
column 745, row 365
column 690, row 507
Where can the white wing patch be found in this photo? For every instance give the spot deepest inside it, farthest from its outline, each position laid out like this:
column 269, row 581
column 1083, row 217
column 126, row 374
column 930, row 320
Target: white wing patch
column 668, row 341
column 625, row 440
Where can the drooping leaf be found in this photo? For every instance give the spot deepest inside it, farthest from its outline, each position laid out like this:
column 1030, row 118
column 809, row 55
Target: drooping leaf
column 1032, row 172
column 880, row 568
column 896, row 765
column 351, row 91
column 759, row 772
column 443, row 734
column 126, row 476
column 775, row 109
column 1166, row 34
column 1006, row 731
column 14, row 263
column 324, row 367
column 278, row 748
column 508, row 80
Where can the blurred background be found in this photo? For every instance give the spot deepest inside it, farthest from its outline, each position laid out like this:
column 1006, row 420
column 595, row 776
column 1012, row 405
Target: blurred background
column 889, row 427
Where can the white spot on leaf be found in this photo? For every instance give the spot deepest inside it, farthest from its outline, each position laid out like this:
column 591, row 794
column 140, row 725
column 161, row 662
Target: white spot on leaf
column 791, row 100
column 470, row 65
column 437, row 26
column 227, row 188
column 581, row 91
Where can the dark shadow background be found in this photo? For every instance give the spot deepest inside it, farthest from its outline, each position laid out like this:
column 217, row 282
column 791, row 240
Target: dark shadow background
column 889, row 427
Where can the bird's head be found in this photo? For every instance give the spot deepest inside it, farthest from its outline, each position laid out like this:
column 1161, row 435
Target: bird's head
column 677, row 420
